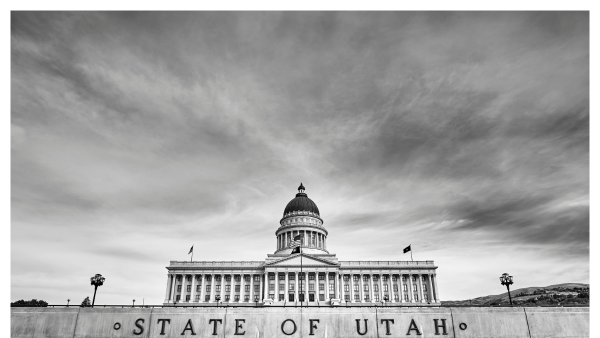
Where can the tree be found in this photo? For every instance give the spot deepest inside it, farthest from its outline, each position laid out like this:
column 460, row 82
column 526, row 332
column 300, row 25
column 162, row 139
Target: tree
column 86, row 302
column 29, row 303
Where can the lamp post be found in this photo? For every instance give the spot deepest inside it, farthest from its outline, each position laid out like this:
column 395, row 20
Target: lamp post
column 256, row 300
column 97, row 281
column 218, row 298
column 507, row 280
column 133, row 303
column 68, row 300
column 384, row 300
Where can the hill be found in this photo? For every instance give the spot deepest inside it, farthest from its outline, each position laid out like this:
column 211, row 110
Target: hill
column 566, row 294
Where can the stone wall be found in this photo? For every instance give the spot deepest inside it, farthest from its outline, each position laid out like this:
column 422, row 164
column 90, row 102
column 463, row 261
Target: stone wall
column 296, row 322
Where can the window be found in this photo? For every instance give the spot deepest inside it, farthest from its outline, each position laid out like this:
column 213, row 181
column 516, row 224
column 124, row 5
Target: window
column 189, row 288
column 375, row 278
column 246, row 298
column 395, row 287
column 198, row 288
column 384, row 278
column 272, row 296
column 256, row 287
column 257, row 278
column 301, row 277
column 246, row 278
column 414, row 279
column 376, row 287
column 207, row 298
column 346, row 288
column 179, row 288
column 414, row 287
column 321, row 277
column 366, row 287
column 271, row 287
column 218, row 278
column 404, row 278
column 228, row 278
column 355, row 278
column 246, row 288
column 197, row 298
column 227, row 288
column 208, row 288
column 405, row 287
column 385, row 288
column 423, row 278
column 321, row 287
column 218, row 288
column 376, row 297
column 394, row 278
column 291, row 287
column 237, row 288
column 237, row 278
column 406, row 298
column 207, row 277
column 187, row 298
column 282, row 287
column 311, row 287
column 311, row 277
column 356, row 298
column 271, row 276
column 226, row 298
column 188, row 278
column 397, row 297
column 346, row 278
column 416, row 297
column 178, row 298
column 347, row 298
column 236, row 298
column 281, row 277
column 366, row 298
column 425, row 298
column 331, row 287
column 281, row 297
column 356, row 288
column 424, row 287
column 322, row 297
column 365, row 278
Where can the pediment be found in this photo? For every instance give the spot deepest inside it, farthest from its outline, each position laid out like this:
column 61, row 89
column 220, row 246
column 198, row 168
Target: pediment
column 294, row 260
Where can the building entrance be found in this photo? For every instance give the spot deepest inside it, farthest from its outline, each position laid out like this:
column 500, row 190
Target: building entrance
column 291, row 297
column 301, row 297
column 311, row 297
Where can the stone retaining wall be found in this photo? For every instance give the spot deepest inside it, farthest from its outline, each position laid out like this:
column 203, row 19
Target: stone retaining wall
column 296, row 322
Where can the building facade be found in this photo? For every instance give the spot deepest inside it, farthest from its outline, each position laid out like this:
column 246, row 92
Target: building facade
column 314, row 277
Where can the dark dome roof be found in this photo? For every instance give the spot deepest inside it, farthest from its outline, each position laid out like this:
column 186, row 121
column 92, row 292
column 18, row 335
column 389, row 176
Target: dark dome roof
column 301, row 203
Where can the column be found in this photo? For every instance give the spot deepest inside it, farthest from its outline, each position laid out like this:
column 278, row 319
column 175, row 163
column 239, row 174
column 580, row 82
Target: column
column 287, row 287
column 183, row 283
column 174, row 290
column 167, row 292
column 193, row 294
column 326, row 286
column 435, row 288
column 420, row 286
column 232, row 288
column 371, row 294
column 203, row 288
column 410, row 289
column 430, row 291
column 251, row 298
column 212, row 288
column 276, row 286
column 306, row 287
column 360, row 289
column 336, row 285
column 222, row 293
column 381, row 293
column 401, row 290
column 352, row 288
column 391, row 288
column 242, row 291
column 296, row 287
column 260, row 289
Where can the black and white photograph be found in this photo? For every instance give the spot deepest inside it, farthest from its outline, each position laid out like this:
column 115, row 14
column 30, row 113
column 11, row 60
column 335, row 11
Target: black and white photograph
column 299, row 173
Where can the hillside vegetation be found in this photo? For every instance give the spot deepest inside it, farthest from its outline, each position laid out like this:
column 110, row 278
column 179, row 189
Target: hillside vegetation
column 567, row 294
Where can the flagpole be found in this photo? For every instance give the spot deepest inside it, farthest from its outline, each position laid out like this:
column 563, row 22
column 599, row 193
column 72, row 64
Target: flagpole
column 301, row 274
column 411, row 254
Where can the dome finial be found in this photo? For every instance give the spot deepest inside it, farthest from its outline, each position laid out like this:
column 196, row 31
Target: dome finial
column 301, row 188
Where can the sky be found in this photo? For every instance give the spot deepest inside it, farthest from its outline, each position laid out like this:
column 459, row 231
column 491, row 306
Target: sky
column 137, row 135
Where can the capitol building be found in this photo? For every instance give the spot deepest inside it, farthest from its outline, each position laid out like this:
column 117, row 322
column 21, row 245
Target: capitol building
column 314, row 277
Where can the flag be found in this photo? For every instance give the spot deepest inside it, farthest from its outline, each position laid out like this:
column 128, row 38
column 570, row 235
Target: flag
column 191, row 250
column 297, row 241
column 407, row 249
column 296, row 250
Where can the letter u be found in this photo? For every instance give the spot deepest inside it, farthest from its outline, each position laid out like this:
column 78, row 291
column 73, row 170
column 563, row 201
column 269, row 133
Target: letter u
column 358, row 327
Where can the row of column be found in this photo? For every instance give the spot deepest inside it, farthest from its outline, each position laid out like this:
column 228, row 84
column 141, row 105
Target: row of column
column 305, row 286
column 284, row 239
column 408, row 295
column 170, row 295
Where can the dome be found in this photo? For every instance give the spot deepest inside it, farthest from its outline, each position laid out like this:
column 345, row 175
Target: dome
column 301, row 203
